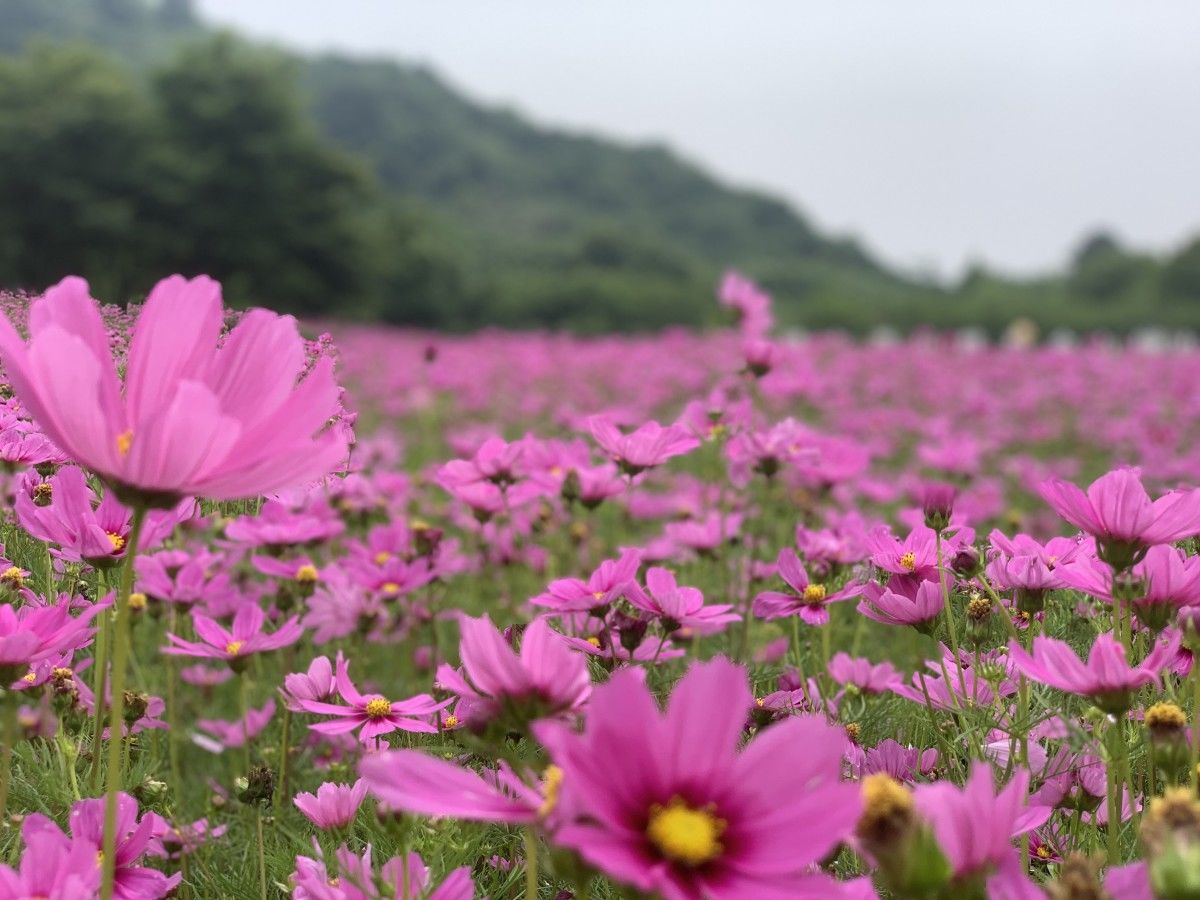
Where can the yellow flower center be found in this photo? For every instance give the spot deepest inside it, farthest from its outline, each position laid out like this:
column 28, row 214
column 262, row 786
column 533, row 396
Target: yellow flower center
column 378, row 708
column 597, row 595
column 29, row 677
column 451, row 721
column 759, row 702
column 390, row 587
column 124, row 442
column 44, row 492
column 594, row 641
column 814, row 593
column 685, row 835
column 884, row 796
column 13, row 575
column 62, row 672
column 552, row 780
column 1043, row 852
column 381, row 557
column 137, row 600
column 118, row 542
column 233, row 648
column 307, row 574
column 908, row 561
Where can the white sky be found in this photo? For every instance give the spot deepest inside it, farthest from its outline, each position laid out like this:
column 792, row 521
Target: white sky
column 937, row 131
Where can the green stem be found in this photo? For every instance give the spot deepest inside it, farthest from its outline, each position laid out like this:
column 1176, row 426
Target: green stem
column 949, row 613
column 1195, row 676
column 173, row 705
column 113, row 778
column 12, row 704
column 99, row 683
column 281, row 793
column 531, row 865
column 262, row 856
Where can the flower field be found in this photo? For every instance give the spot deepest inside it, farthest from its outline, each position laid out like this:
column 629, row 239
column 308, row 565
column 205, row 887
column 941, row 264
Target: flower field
column 388, row 614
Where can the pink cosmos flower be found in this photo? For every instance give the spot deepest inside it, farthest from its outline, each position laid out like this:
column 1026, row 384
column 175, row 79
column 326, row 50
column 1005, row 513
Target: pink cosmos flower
column 219, row 735
column 903, row 602
column 976, row 827
column 373, row 714
column 52, row 866
column 1107, row 678
column 667, row 803
column 131, row 881
column 547, row 678
column 1117, row 510
column 1168, row 580
column 892, row 758
column 679, row 606
column 862, row 674
column 98, row 535
column 356, row 879
column 334, row 805
column 196, row 415
column 807, row 599
column 33, row 633
column 650, row 445
column 234, row 646
column 416, row 782
column 609, row 582
column 315, row 684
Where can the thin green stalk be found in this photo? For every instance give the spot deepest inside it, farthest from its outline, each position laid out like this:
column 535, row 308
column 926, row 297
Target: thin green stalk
column 173, row 705
column 262, row 856
column 1195, row 676
column 949, row 613
column 281, row 793
column 99, row 683
column 113, row 777
column 11, row 705
column 531, row 865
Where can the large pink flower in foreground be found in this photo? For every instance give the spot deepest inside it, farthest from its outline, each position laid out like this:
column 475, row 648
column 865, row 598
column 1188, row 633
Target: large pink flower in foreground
column 976, row 826
column 667, row 804
column 197, row 416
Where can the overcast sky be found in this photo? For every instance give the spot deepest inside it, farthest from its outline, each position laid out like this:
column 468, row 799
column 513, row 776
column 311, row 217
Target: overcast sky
column 938, row 131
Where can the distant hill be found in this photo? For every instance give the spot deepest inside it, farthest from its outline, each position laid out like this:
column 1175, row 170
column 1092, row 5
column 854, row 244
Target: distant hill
column 528, row 225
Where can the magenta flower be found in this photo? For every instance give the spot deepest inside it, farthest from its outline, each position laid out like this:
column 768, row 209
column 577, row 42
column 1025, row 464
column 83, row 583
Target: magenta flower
column 196, row 415
column 1107, row 677
column 52, row 866
column 1117, row 510
column 903, row 602
column 547, row 678
column 1167, row 580
column 650, row 445
column 98, row 536
column 667, row 803
column 894, row 759
column 807, row 599
column 34, row 633
column 916, row 555
column 219, row 735
column 609, row 582
column 334, row 805
column 975, row 827
column 234, row 646
column 131, row 881
column 862, row 674
column 374, row 714
column 315, row 684
column 679, row 607
column 413, row 781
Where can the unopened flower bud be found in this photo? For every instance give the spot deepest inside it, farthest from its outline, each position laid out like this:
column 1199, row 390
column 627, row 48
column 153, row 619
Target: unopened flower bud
column 937, row 502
